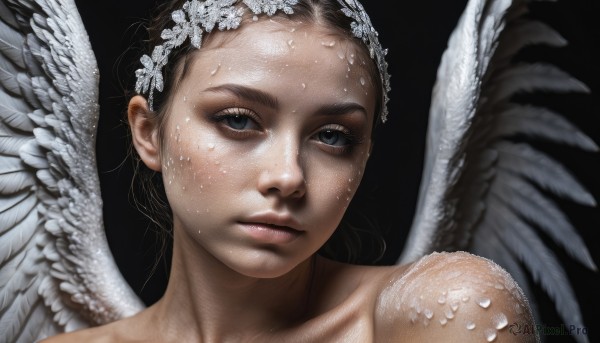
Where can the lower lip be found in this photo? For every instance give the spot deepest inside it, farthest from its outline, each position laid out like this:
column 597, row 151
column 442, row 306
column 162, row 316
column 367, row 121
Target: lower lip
column 270, row 234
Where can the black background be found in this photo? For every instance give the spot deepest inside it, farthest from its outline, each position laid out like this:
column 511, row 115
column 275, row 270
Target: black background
column 416, row 36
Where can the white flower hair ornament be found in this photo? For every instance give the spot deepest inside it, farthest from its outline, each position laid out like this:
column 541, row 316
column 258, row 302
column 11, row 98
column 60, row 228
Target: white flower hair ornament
column 197, row 17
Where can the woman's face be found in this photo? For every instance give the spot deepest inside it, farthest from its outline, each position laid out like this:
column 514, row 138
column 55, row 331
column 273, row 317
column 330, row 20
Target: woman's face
column 265, row 144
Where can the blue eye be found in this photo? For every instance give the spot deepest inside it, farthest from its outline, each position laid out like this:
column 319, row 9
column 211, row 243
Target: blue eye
column 236, row 119
column 237, row 122
column 334, row 137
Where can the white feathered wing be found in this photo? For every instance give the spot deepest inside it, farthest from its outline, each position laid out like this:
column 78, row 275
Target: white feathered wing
column 56, row 271
column 483, row 191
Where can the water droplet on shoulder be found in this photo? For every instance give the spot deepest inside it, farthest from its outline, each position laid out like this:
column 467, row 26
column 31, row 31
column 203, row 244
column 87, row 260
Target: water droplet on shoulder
column 490, row 335
column 500, row 321
column 484, row 302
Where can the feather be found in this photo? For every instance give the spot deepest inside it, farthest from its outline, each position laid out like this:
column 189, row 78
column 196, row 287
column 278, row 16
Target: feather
column 528, row 202
column 14, row 241
column 536, row 256
column 498, row 205
column 541, row 123
column 487, row 243
column 56, row 266
column 524, row 33
column 543, row 170
column 13, row 113
column 19, row 311
column 8, row 78
column 535, row 77
column 14, row 213
column 11, row 45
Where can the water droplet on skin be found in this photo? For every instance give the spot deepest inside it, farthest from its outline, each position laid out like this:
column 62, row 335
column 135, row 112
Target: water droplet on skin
column 454, row 306
column 345, row 89
column 465, row 298
column 362, row 81
column 187, row 119
column 500, row 321
column 303, row 85
column 499, row 286
column 484, row 302
column 214, row 71
column 181, row 158
column 443, row 321
column 428, row 313
column 449, row 314
column 490, row 335
column 341, row 54
column 351, row 59
column 470, row 325
column 442, row 299
column 224, row 171
column 293, row 29
column 184, row 98
column 211, row 146
column 255, row 18
column 328, row 44
column 413, row 317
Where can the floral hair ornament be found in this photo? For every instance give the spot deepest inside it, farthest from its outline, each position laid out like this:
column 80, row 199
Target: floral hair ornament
column 197, row 17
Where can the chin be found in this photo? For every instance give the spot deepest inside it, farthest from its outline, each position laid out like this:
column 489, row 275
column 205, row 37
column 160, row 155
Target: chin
column 265, row 264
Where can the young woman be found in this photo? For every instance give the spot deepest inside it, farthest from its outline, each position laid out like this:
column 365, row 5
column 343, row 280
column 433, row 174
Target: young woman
column 261, row 134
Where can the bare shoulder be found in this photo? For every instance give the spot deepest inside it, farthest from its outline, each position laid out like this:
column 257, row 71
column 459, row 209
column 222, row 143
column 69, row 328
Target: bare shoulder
column 92, row 335
column 124, row 330
column 453, row 297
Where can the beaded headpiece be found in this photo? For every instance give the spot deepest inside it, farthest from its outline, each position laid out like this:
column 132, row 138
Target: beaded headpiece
column 197, row 17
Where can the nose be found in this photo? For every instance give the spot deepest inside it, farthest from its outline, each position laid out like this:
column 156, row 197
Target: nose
column 283, row 173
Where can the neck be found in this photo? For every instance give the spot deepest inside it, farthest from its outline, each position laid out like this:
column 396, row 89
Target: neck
column 207, row 301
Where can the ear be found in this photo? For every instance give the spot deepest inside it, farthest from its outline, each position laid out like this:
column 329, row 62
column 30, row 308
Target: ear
column 144, row 132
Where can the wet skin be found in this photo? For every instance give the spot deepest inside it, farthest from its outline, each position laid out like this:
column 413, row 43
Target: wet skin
column 264, row 145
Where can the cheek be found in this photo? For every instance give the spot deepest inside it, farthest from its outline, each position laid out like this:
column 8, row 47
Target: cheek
column 334, row 185
column 195, row 170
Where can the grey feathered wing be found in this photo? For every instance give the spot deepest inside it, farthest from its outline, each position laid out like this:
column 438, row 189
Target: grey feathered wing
column 482, row 190
column 56, row 271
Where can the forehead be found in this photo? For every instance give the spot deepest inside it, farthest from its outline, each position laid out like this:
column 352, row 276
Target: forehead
column 279, row 53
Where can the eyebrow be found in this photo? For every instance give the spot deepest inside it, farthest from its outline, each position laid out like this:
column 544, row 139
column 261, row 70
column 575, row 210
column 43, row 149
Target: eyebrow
column 342, row 108
column 247, row 93
column 266, row 99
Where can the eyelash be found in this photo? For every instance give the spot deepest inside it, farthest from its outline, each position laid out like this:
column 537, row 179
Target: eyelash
column 223, row 116
column 351, row 140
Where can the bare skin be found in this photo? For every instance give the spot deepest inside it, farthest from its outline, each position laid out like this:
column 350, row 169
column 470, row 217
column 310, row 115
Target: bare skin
column 260, row 157
column 351, row 304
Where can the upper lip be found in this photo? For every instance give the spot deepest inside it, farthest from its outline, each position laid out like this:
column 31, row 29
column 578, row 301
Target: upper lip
column 273, row 218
